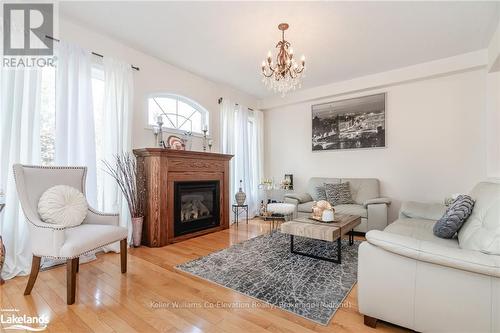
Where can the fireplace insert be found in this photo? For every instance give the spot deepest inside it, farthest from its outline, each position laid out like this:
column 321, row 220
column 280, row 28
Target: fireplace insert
column 196, row 206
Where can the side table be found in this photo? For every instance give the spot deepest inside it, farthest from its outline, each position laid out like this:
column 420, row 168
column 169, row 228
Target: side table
column 237, row 210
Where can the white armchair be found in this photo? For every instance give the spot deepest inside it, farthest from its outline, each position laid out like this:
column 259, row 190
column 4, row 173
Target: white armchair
column 56, row 241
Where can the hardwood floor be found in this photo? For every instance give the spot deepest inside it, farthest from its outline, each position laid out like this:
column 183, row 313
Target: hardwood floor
column 154, row 297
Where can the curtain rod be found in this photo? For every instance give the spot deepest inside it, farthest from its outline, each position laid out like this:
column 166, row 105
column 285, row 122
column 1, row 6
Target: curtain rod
column 94, row 53
column 220, row 101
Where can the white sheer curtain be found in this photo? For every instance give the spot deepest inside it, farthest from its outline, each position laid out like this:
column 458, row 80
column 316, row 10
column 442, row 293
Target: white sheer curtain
column 116, row 138
column 242, row 136
column 20, row 143
column 227, row 122
column 75, row 135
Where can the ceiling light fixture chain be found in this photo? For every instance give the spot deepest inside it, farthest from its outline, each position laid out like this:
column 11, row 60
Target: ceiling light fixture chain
column 286, row 73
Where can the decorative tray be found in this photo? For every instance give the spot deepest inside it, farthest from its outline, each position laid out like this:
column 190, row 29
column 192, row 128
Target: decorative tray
column 320, row 220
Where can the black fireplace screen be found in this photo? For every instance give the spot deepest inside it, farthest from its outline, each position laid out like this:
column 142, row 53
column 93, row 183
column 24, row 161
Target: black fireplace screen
column 196, row 206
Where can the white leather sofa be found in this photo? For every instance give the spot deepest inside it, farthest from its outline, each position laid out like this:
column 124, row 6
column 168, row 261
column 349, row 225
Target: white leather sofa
column 367, row 201
column 409, row 277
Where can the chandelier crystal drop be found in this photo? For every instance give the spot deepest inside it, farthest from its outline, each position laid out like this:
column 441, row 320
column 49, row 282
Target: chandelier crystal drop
column 284, row 73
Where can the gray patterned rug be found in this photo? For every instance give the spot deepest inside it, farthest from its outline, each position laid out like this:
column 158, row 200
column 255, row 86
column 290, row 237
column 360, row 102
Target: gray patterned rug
column 263, row 268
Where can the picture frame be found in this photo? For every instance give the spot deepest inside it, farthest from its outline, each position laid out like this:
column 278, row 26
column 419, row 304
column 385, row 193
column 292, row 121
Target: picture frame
column 354, row 123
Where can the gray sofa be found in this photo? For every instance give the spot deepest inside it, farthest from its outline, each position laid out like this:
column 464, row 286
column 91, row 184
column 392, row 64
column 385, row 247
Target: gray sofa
column 365, row 193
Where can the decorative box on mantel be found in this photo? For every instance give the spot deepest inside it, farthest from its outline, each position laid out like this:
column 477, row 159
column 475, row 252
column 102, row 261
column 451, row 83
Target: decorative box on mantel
column 187, row 194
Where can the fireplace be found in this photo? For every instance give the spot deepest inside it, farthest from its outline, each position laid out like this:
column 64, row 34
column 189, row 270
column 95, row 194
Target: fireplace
column 196, row 206
column 177, row 179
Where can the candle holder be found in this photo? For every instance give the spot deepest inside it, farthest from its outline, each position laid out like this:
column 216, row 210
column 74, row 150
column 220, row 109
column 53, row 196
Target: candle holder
column 159, row 133
column 205, row 130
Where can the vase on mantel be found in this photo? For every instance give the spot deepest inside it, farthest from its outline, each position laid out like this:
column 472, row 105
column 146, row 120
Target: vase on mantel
column 240, row 196
column 137, row 230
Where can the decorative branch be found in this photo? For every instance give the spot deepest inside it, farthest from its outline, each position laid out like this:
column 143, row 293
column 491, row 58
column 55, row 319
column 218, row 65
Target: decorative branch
column 124, row 172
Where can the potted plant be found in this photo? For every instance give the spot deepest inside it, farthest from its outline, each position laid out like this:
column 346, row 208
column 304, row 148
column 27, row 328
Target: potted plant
column 124, row 171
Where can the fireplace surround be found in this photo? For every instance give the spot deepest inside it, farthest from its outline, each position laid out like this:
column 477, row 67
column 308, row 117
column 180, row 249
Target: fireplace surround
column 162, row 172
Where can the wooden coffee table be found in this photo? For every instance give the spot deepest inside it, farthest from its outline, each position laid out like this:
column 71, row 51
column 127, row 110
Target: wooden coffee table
column 329, row 232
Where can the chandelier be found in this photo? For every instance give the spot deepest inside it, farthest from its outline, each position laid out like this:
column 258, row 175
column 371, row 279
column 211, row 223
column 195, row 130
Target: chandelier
column 285, row 74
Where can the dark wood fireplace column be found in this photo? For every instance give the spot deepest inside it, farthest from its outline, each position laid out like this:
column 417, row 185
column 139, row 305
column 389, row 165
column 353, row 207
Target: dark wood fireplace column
column 159, row 170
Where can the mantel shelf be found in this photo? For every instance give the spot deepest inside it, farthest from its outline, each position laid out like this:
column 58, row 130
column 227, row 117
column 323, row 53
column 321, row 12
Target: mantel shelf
column 180, row 153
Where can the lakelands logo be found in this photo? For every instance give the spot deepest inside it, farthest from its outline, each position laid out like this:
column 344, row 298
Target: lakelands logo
column 12, row 320
column 26, row 31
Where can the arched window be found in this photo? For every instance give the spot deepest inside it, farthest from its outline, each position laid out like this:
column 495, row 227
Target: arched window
column 178, row 113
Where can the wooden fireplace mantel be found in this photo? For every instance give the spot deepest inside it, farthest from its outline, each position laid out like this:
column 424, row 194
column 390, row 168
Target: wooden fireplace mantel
column 158, row 170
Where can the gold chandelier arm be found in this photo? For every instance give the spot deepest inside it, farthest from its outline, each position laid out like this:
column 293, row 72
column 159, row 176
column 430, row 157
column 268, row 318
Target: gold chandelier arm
column 270, row 74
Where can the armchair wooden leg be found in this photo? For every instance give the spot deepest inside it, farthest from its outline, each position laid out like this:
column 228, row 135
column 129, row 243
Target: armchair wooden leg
column 370, row 321
column 35, row 268
column 123, row 255
column 71, row 267
column 77, row 264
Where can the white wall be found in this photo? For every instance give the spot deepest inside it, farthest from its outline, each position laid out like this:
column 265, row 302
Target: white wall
column 435, row 140
column 156, row 76
column 493, row 125
column 493, row 107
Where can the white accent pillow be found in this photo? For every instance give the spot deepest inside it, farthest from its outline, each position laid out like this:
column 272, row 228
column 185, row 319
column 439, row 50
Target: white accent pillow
column 64, row 205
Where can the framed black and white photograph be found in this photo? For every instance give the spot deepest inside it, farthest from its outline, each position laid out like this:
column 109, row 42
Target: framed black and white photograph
column 349, row 124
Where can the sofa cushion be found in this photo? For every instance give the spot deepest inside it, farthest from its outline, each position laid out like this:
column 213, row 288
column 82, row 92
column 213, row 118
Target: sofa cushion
column 454, row 217
column 481, row 231
column 363, row 189
column 320, row 192
column 351, row 209
column 305, row 207
column 319, row 181
column 338, row 194
column 420, row 229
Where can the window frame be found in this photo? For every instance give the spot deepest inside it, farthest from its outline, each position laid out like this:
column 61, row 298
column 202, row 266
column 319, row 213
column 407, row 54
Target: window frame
column 205, row 115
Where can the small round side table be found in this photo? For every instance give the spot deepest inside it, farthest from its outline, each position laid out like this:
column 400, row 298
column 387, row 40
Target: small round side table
column 237, row 210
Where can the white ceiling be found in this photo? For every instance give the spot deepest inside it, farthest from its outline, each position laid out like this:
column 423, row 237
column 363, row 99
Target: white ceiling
column 227, row 41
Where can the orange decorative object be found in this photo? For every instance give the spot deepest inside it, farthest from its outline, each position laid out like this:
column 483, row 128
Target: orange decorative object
column 174, row 142
column 319, row 207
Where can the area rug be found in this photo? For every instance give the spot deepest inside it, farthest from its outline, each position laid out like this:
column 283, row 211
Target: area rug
column 263, row 268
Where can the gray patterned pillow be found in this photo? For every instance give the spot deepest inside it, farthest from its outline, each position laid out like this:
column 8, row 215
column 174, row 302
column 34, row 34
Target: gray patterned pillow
column 457, row 213
column 338, row 194
column 320, row 192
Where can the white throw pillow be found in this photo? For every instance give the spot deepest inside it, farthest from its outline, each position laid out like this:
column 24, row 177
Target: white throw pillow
column 63, row 205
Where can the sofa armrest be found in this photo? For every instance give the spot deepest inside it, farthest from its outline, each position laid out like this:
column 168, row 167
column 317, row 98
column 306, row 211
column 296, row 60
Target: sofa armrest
column 96, row 217
column 472, row 261
column 291, row 201
column 300, row 197
column 375, row 201
column 418, row 210
column 377, row 216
